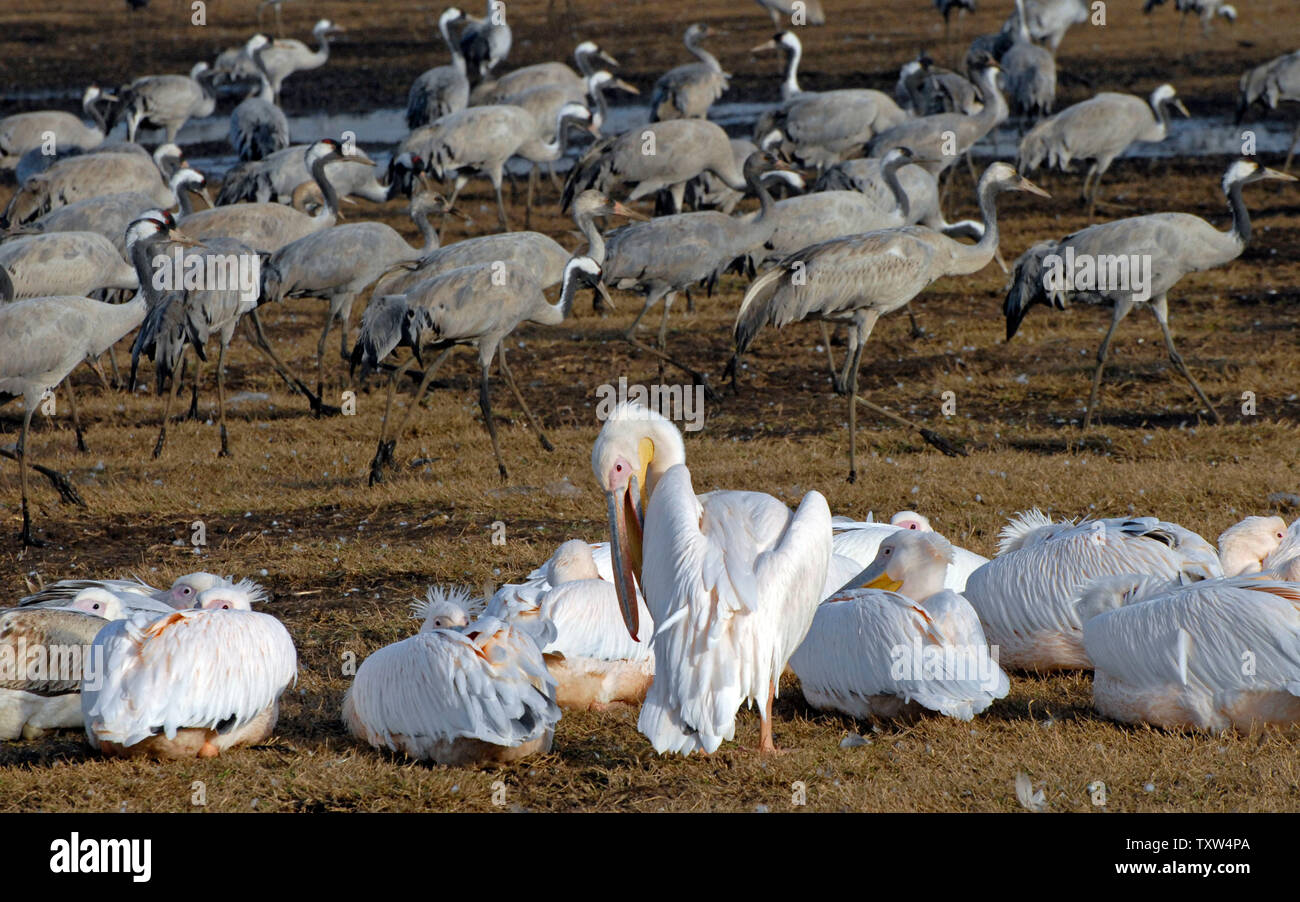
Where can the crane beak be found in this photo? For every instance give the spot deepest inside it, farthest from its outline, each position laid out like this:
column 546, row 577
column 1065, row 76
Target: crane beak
column 203, row 193
column 604, row 294
column 617, row 209
column 624, row 86
column 766, row 45
column 182, row 239
column 606, row 58
column 1178, row 105
column 1276, row 174
column 625, row 534
column 1025, row 184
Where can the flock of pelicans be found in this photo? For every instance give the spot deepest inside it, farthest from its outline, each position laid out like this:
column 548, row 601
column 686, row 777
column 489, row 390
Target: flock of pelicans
column 696, row 606
column 718, row 593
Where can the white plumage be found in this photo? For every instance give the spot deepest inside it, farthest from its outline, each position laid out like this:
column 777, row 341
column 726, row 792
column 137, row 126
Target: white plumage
column 875, row 652
column 1026, row 596
column 1214, row 654
column 731, row 578
column 189, row 683
column 454, row 696
column 137, row 595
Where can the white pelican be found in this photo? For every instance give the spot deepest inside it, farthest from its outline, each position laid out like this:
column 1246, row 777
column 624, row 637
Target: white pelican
column 592, row 658
column 1026, row 596
column 457, row 694
column 859, row 541
column 731, row 578
column 43, row 660
column 1214, row 654
column 1244, row 546
column 900, row 641
column 135, row 594
column 189, row 683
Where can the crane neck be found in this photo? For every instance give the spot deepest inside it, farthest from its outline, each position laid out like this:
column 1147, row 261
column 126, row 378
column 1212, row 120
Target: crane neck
column 1022, row 25
column 1161, row 111
column 420, row 216
column 971, row 258
column 327, row 191
column 890, row 174
column 790, row 87
column 554, row 314
column 693, row 45
column 457, row 59
column 995, row 105
column 1241, row 229
column 184, row 203
column 595, row 240
column 91, row 107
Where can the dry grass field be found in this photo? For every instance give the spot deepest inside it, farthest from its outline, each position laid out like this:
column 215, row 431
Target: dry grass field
column 290, row 507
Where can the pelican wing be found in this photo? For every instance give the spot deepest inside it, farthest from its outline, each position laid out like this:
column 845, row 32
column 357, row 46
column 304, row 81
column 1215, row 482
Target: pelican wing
column 1241, row 633
column 731, row 579
column 211, row 669
column 488, row 683
column 42, row 650
column 130, row 591
column 588, row 622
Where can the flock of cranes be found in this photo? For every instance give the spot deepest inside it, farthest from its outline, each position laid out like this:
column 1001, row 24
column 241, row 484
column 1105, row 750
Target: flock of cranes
column 732, row 586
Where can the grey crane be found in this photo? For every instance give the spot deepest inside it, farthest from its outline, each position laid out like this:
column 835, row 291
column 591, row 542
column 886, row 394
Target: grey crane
column 1205, row 9
column 669, row 254
column 475, row 305
column 946, row 8
column 108, row 215
column 662, row 156
column 283, row 57
column 485, row 42
column 1267, row 85
column 588, row 57
column 1170, row 244
column 940, row 140
column 1099, row 130
column 45, row 339
column 1029, row 72
column 1049, row 20
column 708, row 192
column 859, row 278
column 442, row 90
column 687, row 92
column 481, row 140
column 25, row 132
column 819, row 129
column 63, row 263
column 283, row 172
column 267, row 227
column 337, row 264
column 807, row 12
column 258, row 128
column 167, row 101
column 35, row 161
column 98, row 174
column 180, row 316
column 924, row 89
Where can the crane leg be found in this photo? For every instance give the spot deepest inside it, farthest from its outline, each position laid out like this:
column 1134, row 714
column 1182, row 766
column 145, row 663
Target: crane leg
column 501, row 205
column 320, row 360
column 76, row 420
column 1161, row 311
column 1092, row 199
column 26, row 534
column 1102, row 353
column 167, row 410
column 387, row 442
column 221, row 400
column 510, row 381
column 485, row 403
column 663, row 330
column 917, row 331
column 528, row 204
column 258, row 339
column 861, row 332
column 1295, row 142
column 193, row 412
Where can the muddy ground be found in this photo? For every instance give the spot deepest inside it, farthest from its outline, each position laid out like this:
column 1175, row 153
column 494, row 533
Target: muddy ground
column 291, row 507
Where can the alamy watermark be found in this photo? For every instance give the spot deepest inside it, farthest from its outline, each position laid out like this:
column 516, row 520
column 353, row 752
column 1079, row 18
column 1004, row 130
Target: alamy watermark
column 52, row 663
column 1098, row 272
column 679, row 403
column 179, row 271
column 915, row 661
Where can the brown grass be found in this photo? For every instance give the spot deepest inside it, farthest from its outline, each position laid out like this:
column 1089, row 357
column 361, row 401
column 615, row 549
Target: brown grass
column 342, row 559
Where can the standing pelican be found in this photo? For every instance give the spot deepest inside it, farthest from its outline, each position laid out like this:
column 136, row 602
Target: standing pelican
column 1164, row 248
column 190, row 683
column 1175, row 656
column 731, row 578
column 859, row 278
column 1027, row 596
column 897, row 640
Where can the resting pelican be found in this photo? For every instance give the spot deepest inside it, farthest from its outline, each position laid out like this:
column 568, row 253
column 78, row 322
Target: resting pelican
column 1247, row 547
column 1215, row 654
column 594, row 661
column 859, row 541
column 457, row 693
column 190, row 683
column 42, row 662
column 731, row 578
column 899, row 641
column 135, row 594
column 1026, row 596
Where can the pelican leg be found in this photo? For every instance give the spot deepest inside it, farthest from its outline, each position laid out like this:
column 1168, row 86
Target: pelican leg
column 26, row 534
column 510, row 381
column 766, row 744
column 1161, row 310
column 76, row 420
column 485, row 403
column 1121, row 311
column 221, row 400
